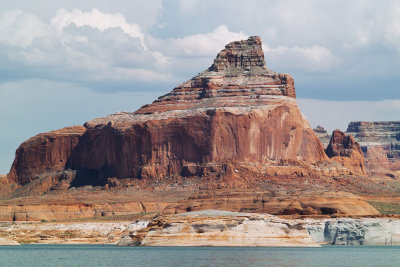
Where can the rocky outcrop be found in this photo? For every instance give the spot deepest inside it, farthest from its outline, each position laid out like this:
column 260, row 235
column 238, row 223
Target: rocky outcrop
column 380, row 142
column 237, row 112
column 329, row 203
column 7, row 185
column 94, row 205
column 67, row 232
column 221, row 228
column 345, row 150
column 208, row 228
column 347, row 231
column 74, row 210
column 8, row 242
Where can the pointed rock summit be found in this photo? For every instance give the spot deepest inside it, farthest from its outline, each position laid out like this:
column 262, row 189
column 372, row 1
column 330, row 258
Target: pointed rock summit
column 241, row 56
column 236, row 115
column 238, row 77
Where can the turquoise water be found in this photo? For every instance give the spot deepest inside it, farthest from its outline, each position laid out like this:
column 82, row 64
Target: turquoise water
column 95, row 255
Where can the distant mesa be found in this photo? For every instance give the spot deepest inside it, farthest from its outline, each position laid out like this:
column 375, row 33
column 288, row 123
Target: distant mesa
column 320, row 129
column 379, row 141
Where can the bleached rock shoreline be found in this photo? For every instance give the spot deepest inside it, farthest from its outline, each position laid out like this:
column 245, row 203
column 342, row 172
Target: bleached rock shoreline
column 222, row 228
column 67, row 232
column 210, row 228
column 8, row 242
column 346, row 231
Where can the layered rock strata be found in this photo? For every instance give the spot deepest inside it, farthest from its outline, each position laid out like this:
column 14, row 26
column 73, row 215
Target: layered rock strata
column 237, row 112
column 8, row 242
column 328, row 203
column 210, row 228
column 220, row 228
column 223, row 228
column 96, row 205
column 67, row 232
column 380, row 142
column 344, row 149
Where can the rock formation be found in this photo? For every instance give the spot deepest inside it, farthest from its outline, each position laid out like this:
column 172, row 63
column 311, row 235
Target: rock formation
column 380, row 142
column 302, row 203
column 8, row 242
column 220, row 228
column 209, row 228
column 78, row 204
column 348, row 231
column 66, row 232
column 7, row 185
column 236, row 113
column 345, row 150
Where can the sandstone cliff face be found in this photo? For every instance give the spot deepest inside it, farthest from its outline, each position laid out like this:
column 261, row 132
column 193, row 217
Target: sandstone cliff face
column 345, row 150
column 380, row 142
column 43, row 153
column 237, row 112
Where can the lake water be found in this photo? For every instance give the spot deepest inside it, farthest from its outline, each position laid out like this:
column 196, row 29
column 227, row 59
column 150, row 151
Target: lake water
column 95, row 255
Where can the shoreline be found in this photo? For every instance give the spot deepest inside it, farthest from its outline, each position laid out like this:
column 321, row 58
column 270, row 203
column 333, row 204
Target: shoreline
column 209, row 228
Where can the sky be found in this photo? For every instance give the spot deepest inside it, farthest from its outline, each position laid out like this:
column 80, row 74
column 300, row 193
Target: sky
column 65, row 62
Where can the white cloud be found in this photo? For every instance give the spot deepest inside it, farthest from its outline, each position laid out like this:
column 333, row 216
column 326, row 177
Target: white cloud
column 310, row 59
column 188, row 6
column 19, row 29
column 199, row 45
column 392, row 27
column 79, row 45
column 103, row 21
column 98, row 20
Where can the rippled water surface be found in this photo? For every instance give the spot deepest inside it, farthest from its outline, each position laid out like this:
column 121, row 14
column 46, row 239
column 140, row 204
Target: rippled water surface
column 95, row 255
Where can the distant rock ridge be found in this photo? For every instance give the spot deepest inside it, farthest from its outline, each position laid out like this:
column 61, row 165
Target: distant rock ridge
column 320, row 129
column 380, row 142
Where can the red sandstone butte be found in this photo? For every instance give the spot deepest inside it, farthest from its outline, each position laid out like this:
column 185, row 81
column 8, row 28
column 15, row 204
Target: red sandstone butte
column 345, row 150
column 237, row 112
